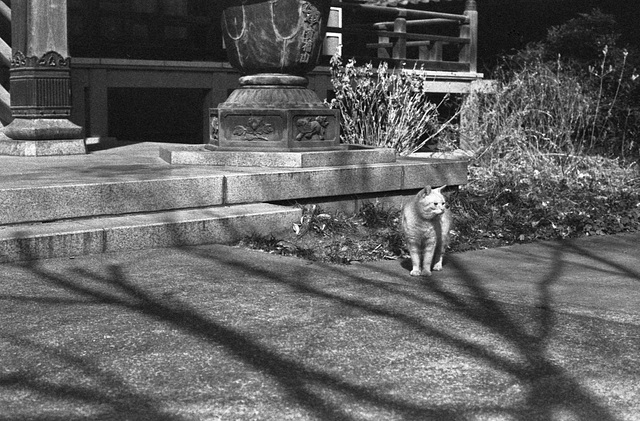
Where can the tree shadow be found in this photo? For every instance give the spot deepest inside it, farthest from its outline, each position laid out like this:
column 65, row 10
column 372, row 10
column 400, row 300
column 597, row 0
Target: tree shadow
column 550, row 387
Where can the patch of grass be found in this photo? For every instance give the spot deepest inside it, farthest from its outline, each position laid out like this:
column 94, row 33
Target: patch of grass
column 505, row 202
column 335, row 237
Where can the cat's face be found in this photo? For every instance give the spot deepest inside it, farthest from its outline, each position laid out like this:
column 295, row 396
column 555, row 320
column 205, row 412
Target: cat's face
column 432, row 203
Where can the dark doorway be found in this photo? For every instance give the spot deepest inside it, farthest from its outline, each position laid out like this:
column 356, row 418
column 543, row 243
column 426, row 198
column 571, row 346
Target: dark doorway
column 156, row 114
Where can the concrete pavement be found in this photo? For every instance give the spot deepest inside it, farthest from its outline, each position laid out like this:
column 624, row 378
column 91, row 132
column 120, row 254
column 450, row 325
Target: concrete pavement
column 560, row 320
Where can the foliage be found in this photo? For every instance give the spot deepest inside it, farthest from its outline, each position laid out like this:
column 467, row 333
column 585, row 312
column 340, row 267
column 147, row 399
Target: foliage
column 575, row 92
column 557, row 142
column 513, row 202
column 581, row 40
column 384, row 107
column 372, row 233
column 609, row 73
column 503, row 204
column 537, row 110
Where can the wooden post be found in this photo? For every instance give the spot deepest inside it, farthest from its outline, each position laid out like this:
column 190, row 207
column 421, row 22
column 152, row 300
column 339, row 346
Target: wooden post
column 423, row 52
column 382, row 51
column 469, row 53
column 40, row 82
column 400, row 44
column 435, row 51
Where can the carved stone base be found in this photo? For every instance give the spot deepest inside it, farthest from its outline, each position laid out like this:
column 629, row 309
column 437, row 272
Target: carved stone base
column 297, row 129
column 274, row 112
column 41, row 147
column 42, row 129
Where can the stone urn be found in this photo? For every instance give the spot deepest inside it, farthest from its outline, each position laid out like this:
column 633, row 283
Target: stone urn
column 274, row 44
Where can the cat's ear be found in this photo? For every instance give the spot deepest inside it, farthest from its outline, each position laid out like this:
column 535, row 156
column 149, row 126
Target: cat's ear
column 439, row 189
column 425, row 192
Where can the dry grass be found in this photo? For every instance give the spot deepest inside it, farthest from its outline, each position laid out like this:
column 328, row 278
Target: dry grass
column 387, row 108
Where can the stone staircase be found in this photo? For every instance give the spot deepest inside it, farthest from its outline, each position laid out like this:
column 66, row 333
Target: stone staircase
column 127, row 198
column 5, row 61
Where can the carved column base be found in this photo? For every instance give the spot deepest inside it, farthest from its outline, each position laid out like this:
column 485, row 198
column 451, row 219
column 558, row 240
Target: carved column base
column 13, row 147
column 43, row 129
column 41, row 106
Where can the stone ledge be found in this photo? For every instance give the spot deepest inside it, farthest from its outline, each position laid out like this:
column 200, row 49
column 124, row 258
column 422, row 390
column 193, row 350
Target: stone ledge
column 134, row 232
column 41, row 147
column 89, row 199
column 270, row 185
column 156, row 189
column 198, row 155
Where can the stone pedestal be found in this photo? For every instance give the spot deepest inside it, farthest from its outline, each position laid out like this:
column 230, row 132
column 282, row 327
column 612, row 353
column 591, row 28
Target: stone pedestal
column 274, row 43
column 273, row 112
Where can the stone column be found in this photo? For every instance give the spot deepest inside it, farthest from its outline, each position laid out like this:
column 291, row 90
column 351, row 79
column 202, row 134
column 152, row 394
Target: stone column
column 40, row 83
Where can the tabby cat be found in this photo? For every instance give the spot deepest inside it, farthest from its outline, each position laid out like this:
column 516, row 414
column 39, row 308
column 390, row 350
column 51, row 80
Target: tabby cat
column 426, row 223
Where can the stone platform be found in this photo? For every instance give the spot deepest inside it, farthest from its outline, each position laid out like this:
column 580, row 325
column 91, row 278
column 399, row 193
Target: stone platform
column 127, row 197
column 350, row 155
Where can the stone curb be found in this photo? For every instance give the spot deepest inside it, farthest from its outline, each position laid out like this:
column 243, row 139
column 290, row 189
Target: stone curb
column 134, row 232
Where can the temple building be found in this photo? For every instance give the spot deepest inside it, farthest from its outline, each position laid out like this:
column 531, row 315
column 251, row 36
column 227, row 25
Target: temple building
column 149, row 70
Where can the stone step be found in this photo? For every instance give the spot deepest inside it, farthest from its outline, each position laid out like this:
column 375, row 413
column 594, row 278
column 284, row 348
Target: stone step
column 41, row 194
column 349, row 155
column 40, row 202
column 220, row 224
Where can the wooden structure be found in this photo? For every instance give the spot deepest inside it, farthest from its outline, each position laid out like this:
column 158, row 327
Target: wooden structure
column 410, row 29
column 150, row 70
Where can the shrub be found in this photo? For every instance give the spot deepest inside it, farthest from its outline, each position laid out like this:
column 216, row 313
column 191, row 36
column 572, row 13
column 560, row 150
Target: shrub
column 384, row 107
column 509, row 202
column 536, row 110
column 580, row 41
column 574, row 92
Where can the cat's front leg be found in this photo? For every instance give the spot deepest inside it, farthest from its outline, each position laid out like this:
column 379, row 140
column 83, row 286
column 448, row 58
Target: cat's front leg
column 415, row 266
column 414, row 252
column 438, row 265
column 427, row 259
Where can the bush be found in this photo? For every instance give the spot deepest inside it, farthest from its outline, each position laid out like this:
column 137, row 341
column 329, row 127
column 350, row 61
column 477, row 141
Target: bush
column 536, row 110
column 510, row 202
column 575, row 92
column 383, row 107
column 556, row 143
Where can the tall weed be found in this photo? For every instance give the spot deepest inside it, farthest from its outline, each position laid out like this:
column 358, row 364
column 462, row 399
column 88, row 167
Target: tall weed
column 538, row 111
column 573, row 94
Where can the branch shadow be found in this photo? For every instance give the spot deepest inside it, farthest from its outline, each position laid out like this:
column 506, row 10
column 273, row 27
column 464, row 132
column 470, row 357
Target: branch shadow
column 549, row 385
column 297, row 380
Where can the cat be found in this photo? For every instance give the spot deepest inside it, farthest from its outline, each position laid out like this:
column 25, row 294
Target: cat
column 426, row 222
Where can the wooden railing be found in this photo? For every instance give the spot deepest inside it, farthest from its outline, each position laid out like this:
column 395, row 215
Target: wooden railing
column 5, row 63
column 406, row 31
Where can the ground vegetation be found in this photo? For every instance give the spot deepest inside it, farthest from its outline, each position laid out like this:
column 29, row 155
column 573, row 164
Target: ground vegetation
column 555, row 148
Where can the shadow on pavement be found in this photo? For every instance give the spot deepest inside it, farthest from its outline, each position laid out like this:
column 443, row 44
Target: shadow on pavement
column 464, row 323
